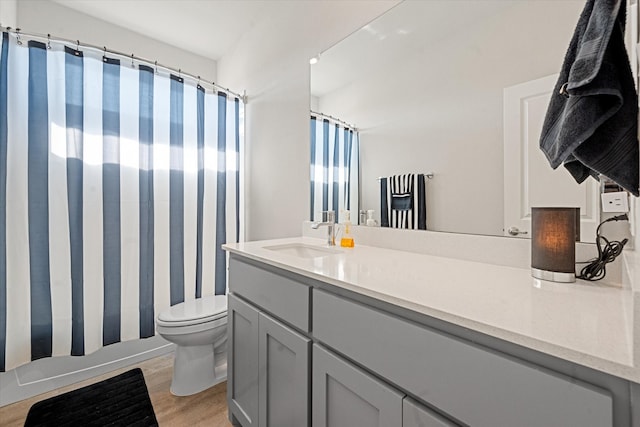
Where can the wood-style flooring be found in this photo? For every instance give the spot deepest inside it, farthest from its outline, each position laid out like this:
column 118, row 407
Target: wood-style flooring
column 208, row 408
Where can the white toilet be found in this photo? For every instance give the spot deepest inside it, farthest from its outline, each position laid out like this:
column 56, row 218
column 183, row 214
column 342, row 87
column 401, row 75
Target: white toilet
column 199, row 329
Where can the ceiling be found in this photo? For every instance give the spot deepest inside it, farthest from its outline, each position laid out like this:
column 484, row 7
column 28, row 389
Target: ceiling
column 405, row 30
column 409, row 28
column 208, row 28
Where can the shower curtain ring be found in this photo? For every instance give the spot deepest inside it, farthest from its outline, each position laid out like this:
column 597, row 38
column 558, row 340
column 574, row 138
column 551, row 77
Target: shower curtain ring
column 132, row 64
column 155, row 64
column 48, row 41
column 18, row 36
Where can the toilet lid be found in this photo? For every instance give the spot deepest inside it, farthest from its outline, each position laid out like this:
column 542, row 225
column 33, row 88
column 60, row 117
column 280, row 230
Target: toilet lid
column 209, row 307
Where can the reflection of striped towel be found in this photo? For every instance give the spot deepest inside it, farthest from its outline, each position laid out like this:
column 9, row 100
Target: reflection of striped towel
column 403, row 204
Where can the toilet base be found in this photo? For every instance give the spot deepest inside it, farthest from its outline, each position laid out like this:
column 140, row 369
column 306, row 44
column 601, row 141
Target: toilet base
column 196, row 369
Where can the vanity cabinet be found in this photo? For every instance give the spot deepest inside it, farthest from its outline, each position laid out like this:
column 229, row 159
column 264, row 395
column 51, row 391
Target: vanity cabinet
column 344, row 395
column 268, row 359
column 304, row 352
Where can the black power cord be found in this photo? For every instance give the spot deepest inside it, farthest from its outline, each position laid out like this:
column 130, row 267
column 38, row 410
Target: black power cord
column 608, row 251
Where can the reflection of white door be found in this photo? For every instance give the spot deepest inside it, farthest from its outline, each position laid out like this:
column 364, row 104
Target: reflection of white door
column 528, row 178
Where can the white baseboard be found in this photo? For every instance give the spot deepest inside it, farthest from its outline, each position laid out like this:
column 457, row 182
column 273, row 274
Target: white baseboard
column 50, row 373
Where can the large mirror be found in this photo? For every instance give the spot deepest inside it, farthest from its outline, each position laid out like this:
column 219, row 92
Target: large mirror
column 457, row 89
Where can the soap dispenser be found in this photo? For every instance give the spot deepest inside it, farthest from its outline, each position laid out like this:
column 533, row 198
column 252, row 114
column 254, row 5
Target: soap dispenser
column 347, row 238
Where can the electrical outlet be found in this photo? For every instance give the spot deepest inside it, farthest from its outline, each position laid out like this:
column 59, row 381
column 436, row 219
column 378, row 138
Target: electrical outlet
column 615, row 202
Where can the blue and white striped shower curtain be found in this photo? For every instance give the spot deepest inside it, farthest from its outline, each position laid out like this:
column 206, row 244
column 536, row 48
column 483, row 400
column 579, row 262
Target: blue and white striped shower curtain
column 334, row 169
column 118, row 184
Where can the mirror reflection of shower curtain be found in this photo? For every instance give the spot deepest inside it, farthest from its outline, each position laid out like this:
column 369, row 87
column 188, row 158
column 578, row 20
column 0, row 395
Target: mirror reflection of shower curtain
column 334, row 169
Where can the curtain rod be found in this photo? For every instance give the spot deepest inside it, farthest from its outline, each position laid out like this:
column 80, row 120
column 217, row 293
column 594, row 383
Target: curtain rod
column 48, row 38
column 326, row 116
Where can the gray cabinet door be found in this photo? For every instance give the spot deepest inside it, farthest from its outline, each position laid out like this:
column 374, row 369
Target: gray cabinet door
column 284, row 375
column 242, row 362
column 346, row 396
column 416, row 415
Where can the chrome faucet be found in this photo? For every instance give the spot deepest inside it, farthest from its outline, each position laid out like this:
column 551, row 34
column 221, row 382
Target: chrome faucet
column 331, row 227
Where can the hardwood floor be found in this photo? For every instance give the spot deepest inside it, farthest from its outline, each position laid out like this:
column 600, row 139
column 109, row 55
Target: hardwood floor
column 208, row 408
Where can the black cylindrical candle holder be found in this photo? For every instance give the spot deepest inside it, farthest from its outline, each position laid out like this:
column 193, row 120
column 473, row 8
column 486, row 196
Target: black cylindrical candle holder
column 554, row 233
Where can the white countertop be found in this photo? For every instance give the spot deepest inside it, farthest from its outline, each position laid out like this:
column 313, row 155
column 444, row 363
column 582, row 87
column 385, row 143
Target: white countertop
column 585, row 323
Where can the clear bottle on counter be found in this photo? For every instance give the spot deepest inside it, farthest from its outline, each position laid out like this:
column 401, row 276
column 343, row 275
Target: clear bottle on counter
column 347, row 239
column 371, row 221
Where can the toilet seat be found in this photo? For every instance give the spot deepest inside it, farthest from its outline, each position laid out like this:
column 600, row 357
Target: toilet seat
column 194, row 312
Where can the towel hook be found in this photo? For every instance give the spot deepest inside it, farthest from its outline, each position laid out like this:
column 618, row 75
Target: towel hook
column 563, row 90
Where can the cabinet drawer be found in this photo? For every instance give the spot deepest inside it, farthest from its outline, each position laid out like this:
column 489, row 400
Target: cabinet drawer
column 472, row 384
column 278, row 295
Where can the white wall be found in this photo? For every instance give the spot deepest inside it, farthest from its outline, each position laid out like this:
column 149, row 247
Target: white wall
column 47, row 17
column 637, row 225
column 9, row 13
column 441, row 110
column 272, row 63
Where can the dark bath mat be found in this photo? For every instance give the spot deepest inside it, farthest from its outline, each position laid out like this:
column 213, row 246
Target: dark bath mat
column 119, row 401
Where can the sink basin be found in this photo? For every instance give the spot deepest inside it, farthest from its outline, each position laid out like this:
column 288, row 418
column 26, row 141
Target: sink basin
column 302, row 251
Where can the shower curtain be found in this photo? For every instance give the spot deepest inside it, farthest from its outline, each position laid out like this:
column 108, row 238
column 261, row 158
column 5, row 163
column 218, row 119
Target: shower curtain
column 118, row 184
column 334, row 169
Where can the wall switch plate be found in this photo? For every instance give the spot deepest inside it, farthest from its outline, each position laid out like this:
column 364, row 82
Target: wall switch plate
column 615, row 202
